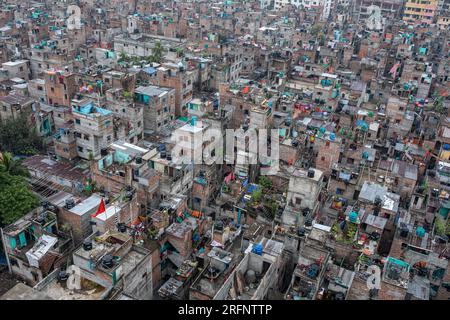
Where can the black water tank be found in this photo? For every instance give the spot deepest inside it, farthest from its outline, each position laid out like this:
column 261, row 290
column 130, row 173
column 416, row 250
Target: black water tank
column 121, row 227
column 339, row 296
column 305, row 211
column 87, row 245
column 301, row 231
column 403, row 230
column 308, row 222
column 104, row 152
column 45, row 204
column 129, row 195
column 108, row 261
column 70, row 203
column 138, row 160
column 63, row 275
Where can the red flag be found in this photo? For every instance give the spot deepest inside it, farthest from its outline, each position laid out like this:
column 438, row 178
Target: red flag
column 101, row 209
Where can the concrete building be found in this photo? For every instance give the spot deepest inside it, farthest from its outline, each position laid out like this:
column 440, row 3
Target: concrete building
column 93, row 127
column 14, row 105
column 34, row 244
column 159, row 106
column 60, row 87
column 17, row 69
column 421, row 11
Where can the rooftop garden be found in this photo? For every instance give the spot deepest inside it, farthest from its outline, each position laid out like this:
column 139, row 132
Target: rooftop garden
column 344, row 232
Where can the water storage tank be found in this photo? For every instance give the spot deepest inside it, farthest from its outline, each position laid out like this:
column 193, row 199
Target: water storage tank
column 258, row 249
column 121, row 227
column 250, row 276
column 69, row 204
column 63, row 275
column 353, row 217
column 87, row 245
column 108, row 261
column 420, row 232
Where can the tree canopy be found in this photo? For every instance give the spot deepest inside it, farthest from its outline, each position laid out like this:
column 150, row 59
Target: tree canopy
column 12, row 166
column 156, row 56
column 16, row 199
column 19, row 138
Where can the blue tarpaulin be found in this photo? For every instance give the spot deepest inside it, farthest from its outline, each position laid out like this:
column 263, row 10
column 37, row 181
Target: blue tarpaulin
column 251, row 188
column 149, row 70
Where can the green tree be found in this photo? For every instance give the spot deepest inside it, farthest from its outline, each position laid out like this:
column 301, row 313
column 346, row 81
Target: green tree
column 16, row 199
column 11, row 166
column 157, row 52
column 19, row 137
column 180, row 52
column 315, row 29
column 439, row 226
column 265, row 183
column 257, row 196
column 123, row 57
column 438, row 104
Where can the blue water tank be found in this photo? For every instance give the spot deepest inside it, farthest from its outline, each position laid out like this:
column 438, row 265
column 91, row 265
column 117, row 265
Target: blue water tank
column 332, row 136
column 365, row 155
column 353, row 217
column 420, row 232
column 193, row 121
column 446, row 146
column 258, row 249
